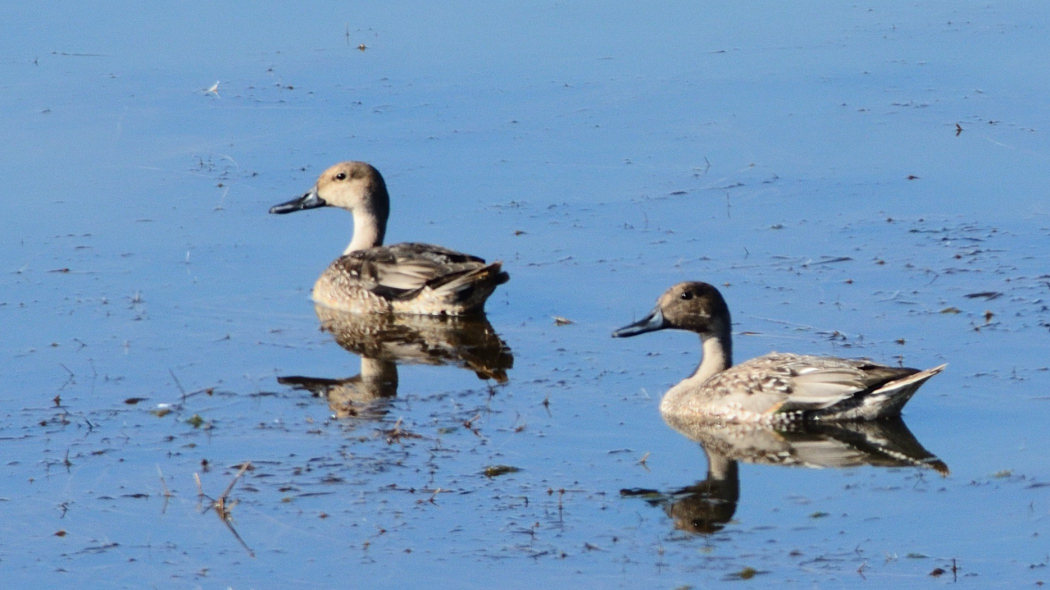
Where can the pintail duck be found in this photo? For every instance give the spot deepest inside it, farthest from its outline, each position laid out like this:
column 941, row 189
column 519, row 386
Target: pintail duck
column 777, row 388
column 407, row 278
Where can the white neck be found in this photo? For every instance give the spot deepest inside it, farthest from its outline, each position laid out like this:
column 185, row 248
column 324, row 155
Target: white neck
column 718, row 356
column 368, row 231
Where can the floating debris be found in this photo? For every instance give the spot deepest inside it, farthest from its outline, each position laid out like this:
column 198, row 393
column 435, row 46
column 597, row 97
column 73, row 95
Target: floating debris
column 498, row 470
column 745, row 574
column 989, row 295
column 829, row 261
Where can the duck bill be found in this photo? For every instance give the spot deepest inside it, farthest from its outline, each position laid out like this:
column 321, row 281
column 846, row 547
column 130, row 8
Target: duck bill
column 308, row 201
column 650, row 323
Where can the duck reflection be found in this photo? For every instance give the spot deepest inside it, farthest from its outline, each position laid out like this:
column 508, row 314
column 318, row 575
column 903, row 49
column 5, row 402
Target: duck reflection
column 383, row 341
column 706, row 506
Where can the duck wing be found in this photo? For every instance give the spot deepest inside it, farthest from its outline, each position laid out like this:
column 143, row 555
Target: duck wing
column 823, row 387
column 401, row 271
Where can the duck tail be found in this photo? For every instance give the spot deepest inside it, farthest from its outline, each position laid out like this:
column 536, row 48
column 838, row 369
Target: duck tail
column 468, row 289
column 889, row 399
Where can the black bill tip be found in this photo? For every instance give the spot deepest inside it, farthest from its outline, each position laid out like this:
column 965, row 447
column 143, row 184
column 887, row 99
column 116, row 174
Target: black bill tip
column 650, row 323
column 308, row 201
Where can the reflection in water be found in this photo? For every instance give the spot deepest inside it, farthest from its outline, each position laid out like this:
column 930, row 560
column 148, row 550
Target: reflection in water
column 364, row 395
column 382, row 341
column 706, row 506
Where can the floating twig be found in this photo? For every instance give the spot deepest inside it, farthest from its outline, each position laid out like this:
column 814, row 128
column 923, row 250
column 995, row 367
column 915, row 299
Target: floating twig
column 223, row 507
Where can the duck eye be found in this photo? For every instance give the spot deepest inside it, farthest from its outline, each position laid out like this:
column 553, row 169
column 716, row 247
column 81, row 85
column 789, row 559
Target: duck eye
column 341, row 176
column 687, row 295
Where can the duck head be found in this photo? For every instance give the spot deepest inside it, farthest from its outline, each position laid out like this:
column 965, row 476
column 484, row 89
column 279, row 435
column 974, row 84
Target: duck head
column 357, row 187
column 693, row 306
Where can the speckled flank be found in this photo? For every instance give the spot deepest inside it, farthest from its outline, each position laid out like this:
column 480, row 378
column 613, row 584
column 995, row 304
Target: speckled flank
column 410, row 278
column 774, row 389
column 784, row 388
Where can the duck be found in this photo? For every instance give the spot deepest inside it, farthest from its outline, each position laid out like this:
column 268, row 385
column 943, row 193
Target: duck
column 406, row 278
column 774, row 389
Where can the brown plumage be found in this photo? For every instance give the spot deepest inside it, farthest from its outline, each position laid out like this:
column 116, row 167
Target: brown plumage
column 776, row 388
column 410, row 278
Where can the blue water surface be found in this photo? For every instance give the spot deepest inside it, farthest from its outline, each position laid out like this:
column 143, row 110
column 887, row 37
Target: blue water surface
column 850, row 176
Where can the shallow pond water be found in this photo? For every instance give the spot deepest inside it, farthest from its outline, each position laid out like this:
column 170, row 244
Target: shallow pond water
column 859, row 180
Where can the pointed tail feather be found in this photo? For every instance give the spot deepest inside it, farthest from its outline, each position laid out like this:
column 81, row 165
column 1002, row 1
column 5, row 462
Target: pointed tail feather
column 913, row 381
column 889, row 399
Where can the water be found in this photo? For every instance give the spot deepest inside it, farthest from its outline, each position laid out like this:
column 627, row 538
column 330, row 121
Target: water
column 603, row 153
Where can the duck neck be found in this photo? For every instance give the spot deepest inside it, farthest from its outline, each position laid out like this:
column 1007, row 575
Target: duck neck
column 370, row 218
column 369, row 230
column 718, row 356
